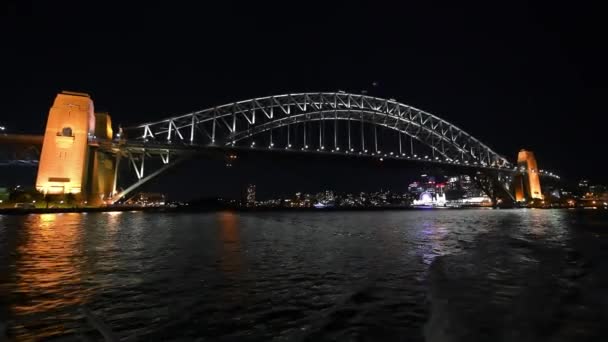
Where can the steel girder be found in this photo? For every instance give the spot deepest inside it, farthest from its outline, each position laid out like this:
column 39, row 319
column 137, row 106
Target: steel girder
column 223, row 125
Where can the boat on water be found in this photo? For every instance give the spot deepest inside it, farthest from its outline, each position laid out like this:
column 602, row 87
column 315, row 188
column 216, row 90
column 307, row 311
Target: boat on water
column 425, row 206
column 429, row 200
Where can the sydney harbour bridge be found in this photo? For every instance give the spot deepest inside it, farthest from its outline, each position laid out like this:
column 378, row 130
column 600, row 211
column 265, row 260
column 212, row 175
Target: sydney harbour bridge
column 330, row 123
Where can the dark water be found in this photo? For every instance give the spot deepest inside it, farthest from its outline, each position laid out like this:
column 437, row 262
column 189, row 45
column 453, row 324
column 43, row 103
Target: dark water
column 453, row 275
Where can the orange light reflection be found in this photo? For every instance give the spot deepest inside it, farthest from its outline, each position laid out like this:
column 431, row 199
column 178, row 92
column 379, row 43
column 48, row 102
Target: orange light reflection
column 47, row 266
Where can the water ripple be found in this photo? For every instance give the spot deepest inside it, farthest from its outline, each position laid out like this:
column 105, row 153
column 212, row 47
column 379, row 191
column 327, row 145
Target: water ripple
column 471, row 275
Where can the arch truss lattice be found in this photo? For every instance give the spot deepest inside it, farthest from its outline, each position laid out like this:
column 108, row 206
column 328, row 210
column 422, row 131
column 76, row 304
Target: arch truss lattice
column 340, row 122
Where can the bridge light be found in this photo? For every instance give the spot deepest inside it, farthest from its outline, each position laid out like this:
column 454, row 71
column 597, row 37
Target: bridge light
column 352, row 149
column 381, row 159
column 391, row 153
column 322, row 147
column 415, row 156
column 306, row 146
column 289, row 145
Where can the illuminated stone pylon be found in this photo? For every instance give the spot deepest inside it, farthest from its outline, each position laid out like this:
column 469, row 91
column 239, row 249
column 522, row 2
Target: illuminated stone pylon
column 70, row 161
column 527, row 186
column 65, row 148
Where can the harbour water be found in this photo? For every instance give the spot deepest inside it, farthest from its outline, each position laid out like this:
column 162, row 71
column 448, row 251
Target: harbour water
column 428, row 275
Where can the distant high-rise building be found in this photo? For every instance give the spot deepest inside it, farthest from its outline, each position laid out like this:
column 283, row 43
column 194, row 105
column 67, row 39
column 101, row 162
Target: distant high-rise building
column 416, row 187
column 250, row 195
column 453, row 183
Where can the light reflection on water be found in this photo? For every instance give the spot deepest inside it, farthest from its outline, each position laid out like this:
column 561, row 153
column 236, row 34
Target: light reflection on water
column 231, row 260
column 437, row 275
column 48, row 263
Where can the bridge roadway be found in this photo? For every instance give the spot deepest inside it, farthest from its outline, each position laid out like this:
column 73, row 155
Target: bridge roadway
column 20, row 149
column 138, row 147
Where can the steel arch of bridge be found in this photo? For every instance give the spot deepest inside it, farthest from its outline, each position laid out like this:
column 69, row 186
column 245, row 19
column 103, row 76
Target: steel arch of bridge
column 228, row 124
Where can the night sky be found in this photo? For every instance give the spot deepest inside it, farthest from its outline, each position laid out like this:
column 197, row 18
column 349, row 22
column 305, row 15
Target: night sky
column 514, row 76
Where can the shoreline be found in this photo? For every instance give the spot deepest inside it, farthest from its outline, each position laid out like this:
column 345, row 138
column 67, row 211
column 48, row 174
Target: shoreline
column 187, row 209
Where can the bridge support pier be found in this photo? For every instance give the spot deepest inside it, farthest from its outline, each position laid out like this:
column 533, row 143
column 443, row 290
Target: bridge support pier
column 144, row 179
column 495, row 186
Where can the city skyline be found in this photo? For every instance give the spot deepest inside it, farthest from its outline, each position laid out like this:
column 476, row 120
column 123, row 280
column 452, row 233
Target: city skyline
column 423, row 191
column 443, row 70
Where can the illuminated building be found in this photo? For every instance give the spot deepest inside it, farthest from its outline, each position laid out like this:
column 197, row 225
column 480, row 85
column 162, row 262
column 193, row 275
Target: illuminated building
column 65, row 148
column 415, row 188
column 250, row 199
column 148, row 199
column 69, row 161
column 453, row 183
column 528, row 183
